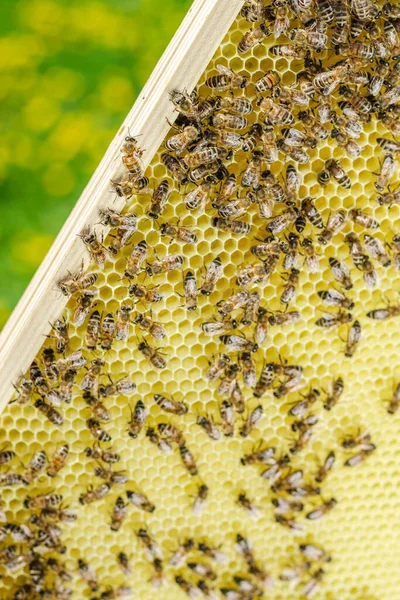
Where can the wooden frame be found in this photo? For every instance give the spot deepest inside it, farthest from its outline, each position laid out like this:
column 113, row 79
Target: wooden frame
column 180, row 67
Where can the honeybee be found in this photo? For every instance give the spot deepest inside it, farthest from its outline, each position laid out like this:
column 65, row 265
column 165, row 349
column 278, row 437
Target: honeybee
column 269, row 145
column 312, row 586
column 154, row 357
column 170, row 432
column 389, row 98
column 50, row 412
column 140, row 501
column 298, row 139
column 93, row 330
column 335, row 223
column 292, row 255
column 377, row 250
column 132, row 185
column 190, row 590
column 251, row 509
column 158, row 441
column 98, row 453
column 108, row 330
column 295, row 572
column 229, row 381
column 218, row 327
column 251, row 309
column 327, row 466
column 389, row 199
column 123, row 562
column 207, row 592
column 262, row 323
column 333, row 297
column 118, row 514
column 122, row 387
column 390, row 146
column 179, row 142
column 198, row 197
column 356, row 249
column 58, row 460
column 290, row 289
column 96, row 430
column 8, row 479
column 336, row 390
column 248, row 370
column 213, row 273
column 202, row 570
column 131, row 157
column 252, row 38
column 255, row 11
column 361, row 218
column 282, row 21
column 289, row 50
column 24, row 389
column 200, row 500
column 234, row 302
column 260, row 455
column 235, row 208
column 311, row 212
column 42, row 386
column 321, row 510
column 334, row 169
column 186, row 103
column 282, row 221
column 187, row 459
column 273, row 113
column 114, row 593
column 44, row 501
column 350, row 146
column 170, row 405
column 227, row 418
column 361, row 50
column 136, row 259
column 237, row 343
column 255, row 416
column 316, row 40
column 91, row 380
column 66, row 385
column 353, row 339
column 123, row 322
column 138, row 419
column 341, row 273
column 206, row 172
column 312, row 259
column 98, row 252
column 74, row 283
column 88, row 575
column 358, row 458
column 226, row 80
column 154, row 328
column 159, row 200
column 61, row 335
column 97, row 407
column 84, row 304
column 388, row 168
column 208, row 425
column 145, row 294
column 267, row 378
column 227, row 190
column 176, row 168
column 285, row 506
column 217, row 367
column 169, row 263
column 370, row 275
column 209, row 154
column 330, row 320
column 381, row 314
column 314, row 553
column 94, row 494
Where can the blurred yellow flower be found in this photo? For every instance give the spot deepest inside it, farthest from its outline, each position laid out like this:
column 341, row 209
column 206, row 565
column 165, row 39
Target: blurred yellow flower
column 29, row 248
column 18, row 51
column 63, row 84
column 40, row 113
column 58, row 179
column 115, row 93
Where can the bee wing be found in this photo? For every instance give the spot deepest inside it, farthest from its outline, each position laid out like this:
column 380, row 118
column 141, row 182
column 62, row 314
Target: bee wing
column 224, row 70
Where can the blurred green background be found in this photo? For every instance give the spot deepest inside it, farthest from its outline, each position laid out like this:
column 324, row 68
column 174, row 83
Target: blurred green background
column 69, row 72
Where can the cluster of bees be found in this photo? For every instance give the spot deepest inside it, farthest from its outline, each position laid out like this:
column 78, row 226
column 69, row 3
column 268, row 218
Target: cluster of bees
column 350, row 54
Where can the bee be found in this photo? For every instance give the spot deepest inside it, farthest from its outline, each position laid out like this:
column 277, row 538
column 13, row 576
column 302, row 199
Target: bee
column 291, row 258
column 207, row 592
column 387, row 170
column 97, row 432
column 236, row 343
column 140, row 501
column 290, row 289
column 118, row 515
column 253, row 37
column 228, row 139
column 362, row 439
column 98, row 453
column 293, row 183
column 254, row 12
column 205, row 172
column 396, row 251
column 218, row 327
column 61, row 335
column 248, row 369
column 330, row 320
column 311, row 587
column 261, row 330
column 289, row 50
column 214, row 272
column 295, row 572
column 131, row 157
column 114, row 594
column 122, row 387
column 74, row 283
column 356, row 249
column 381, row 314
column 123, row 322
column 131, row 186
column 138, row 419
column 274, row 114
column 170, row 405
column 314, row 553
column 43, row 501
column 227, row 190
column 108, row 331
column 335, row 223
column 84, row 304
column 252, row 420
column 209, row 154
column 350, row 146
column 358, row 458
column 186, row 103
column 24, row 389
column 154, row 328
column 9, row 479
column 66, row 385
column 377, row 250
column 187, row 459
column 136, row 259
column 123, row 562
column 362, row 219
column 251, row 309
column 394, row 402
column 94, row 494
column 202, row 570
column 353, row 339
column 378, row 78
column 6, row 456
column 227, row 418
column 284, row 506
column 311, row 212
column 235, row 226
column 313, row 126
column 361, row 50
column 391, row 10
column 88, row 575
column 190, row 590
column 341, row 273
column 50, row 412
column 325, row 468
column 98, row 253
column 269, row 145
column 179, row 142
column 73, row 361
column 301, row 408
column 19, row 533
column 172, row 262
column 158, row 441
column 234, row 302
column 41, row 384
column 168, row 431
column 97, row 407
column 327, row 81
column 91, row 380
column 260, row 455
column 208, row 425
column 249, row 507
column 235, row 208
column 178, row 558
column 265, row 381
column 154, row 357
column 336, row 390
column 282, row 221
column 294, row 152
column 282, row 21
column 321, row 510
column 334, row 169
column 58, row 460
column 389, row 199
column 198, row 197
column 200, row 500
column 294, row 137
column 217, row 367
column 159, row 200
column 312, row 259
column 390, row 146
column 226, row 80
column 145, row 294
column 93, row 330
column 369, row 273
column 176, row 168
column 389, row 98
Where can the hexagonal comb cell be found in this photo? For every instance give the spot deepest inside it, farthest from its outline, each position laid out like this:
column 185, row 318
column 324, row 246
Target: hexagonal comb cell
column 195, row 480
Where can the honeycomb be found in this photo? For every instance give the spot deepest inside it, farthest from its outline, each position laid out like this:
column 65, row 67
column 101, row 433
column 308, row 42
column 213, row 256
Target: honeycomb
column 361, row 531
